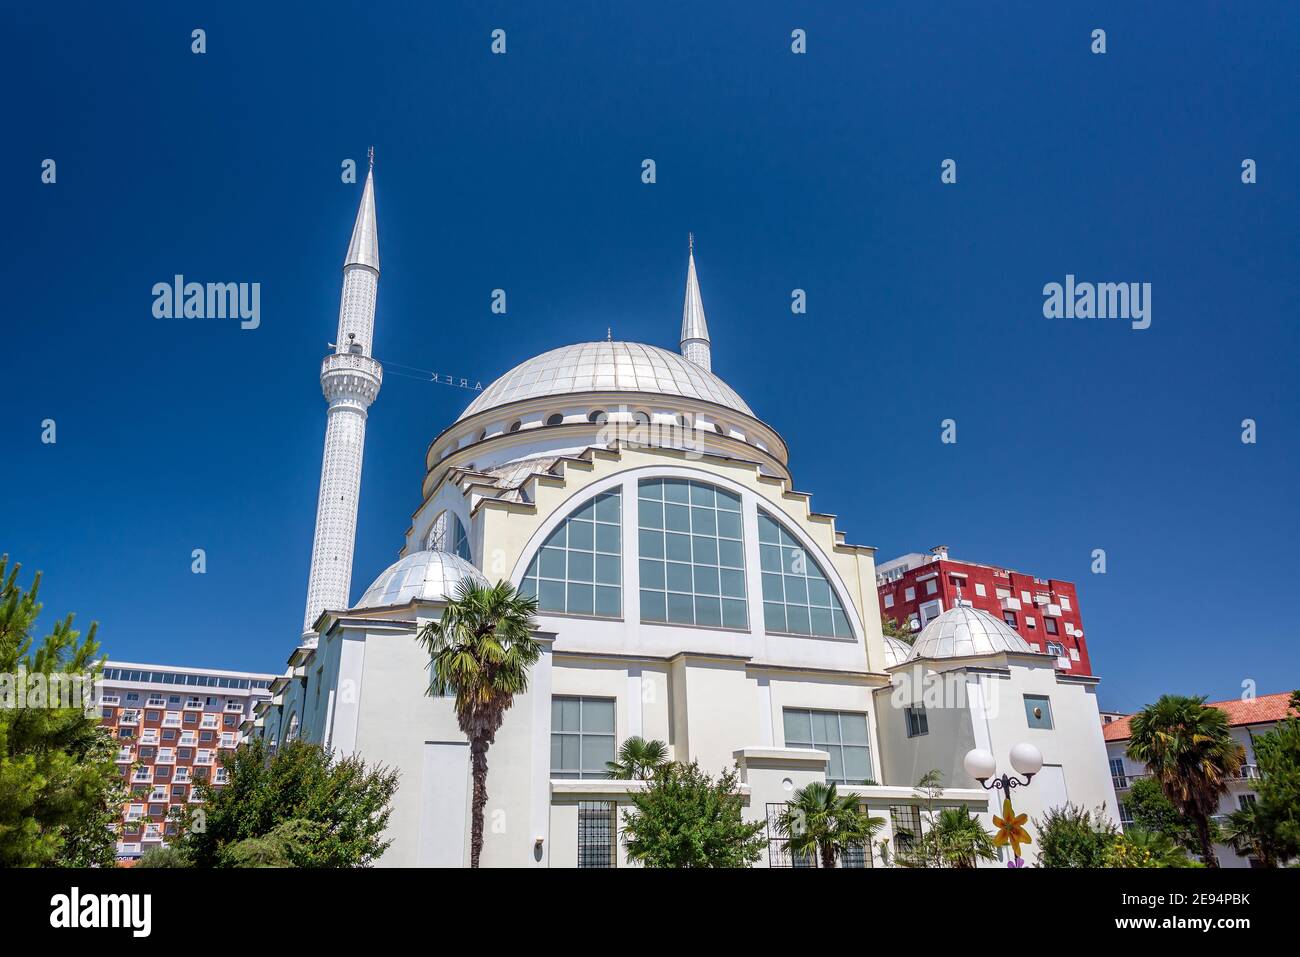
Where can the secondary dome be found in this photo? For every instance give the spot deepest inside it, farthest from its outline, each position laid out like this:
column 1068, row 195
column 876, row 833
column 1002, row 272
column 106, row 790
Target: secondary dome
column 428, row 576
column 607, row 367
column 896, row 651
column 963, row 631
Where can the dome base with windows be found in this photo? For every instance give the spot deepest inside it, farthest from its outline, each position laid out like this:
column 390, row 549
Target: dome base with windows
column 687, row 592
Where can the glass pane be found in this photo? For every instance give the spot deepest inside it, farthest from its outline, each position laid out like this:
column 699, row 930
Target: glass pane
column 569, row 752
column 773, row 616
column 819, row 591
column 528, row 587
column 608, row 507
column 596, row 751
column 798, row 727
column 727, row 500
column 651, row 514
column 581, row 600
column 733, row 613
column 680, row 609
column 608, row 601
column 729, row 524
column 581, row 566
column 854, row 728
column 820, row 623
column 835, row 768
column 708, row 611
column 552, row 563
column 586, row 510
column 550, row 596
column 597, row 715
column 842, row 629
column 731, row 553
column 826, row 727
column 652, row 606
column 652, row 573
column 608, row 538
column 609, row 569
column 704, row 521
column 556, row 758
column 652, row 488
column 556, row 538
column 767, row 530
column 570, row 714
column 581, row 535
column 701, row 494
column 706, row 580
column 769, row 558
column 679, row 547
column 651, row 544
column 675, row 490
column 706, row 550
column 772, row 590
column 679, row 576
column 733, row 583
column 857, row 764
column 677, row 518
column 796, row 618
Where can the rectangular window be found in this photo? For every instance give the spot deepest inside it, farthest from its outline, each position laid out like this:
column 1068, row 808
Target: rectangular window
column 1245, row 800
column 692, row 555
column 841, row 734
column 981, row 590
column 597, row 829
column 1029, row 623
column 906, row 822
column 582, row 737
column 1010, row 618
column 909, row 594
column 918, row 723
column 889, row 601
column 1038, row 711
column 1125, row 815
column 1056, row 648
column 777, row 854
column 1050, row 625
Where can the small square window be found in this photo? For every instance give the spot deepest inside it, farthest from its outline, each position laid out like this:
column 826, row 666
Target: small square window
column 1010, row 618
column 1050, row 625
column 1038, row 711
column 917, row 721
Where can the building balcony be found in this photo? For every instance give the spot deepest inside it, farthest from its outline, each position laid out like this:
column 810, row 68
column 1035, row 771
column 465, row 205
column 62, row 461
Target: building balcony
column 156, row 703
column 1053, row 610
column 1248, row 772
column 1123, row 782
column 235, row 707
column 1010, row 604
column 124, row 755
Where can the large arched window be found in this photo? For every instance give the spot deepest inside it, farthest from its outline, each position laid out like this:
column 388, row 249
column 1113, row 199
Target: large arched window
column 692, row 554
column 579, row 568
column 797, row 597
column 448, row 535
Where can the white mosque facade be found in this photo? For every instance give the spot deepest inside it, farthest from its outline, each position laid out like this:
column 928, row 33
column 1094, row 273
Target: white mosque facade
column 689, row 592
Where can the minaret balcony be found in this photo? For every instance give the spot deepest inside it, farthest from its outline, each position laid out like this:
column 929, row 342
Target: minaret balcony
column 347, row 375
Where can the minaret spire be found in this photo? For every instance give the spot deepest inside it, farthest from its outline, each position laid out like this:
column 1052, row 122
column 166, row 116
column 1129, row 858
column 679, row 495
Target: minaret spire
column 695, row 331
column 350, row 380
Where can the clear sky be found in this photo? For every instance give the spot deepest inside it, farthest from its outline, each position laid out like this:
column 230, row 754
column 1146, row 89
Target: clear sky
column 523, row 172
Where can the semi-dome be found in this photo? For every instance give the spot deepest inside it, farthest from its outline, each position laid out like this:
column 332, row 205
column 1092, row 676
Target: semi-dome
column 896, row 651
column 964, row 631
column 607, row 367
column 427, row 576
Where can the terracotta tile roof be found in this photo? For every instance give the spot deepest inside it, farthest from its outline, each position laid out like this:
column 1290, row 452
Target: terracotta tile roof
column 1268, row 707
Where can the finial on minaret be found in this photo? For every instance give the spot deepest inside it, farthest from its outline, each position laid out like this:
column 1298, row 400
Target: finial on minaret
column 609, row 333
column 363, row 250
column 695, row 344
column 371, row 153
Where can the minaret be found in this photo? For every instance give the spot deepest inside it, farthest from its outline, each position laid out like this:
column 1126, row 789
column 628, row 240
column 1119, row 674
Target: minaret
column 695, row 331
column 350, row 379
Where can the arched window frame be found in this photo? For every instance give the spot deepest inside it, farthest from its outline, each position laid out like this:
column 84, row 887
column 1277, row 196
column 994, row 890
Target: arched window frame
column 454, row 537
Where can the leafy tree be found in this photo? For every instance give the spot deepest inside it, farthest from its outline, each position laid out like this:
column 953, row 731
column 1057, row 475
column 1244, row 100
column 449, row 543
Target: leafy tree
column 482, row 650
column 915, row 850
column 1189, row 750
column 60, row 790
column 893, row 629
column 960, row 840
column 638, row 760
column 302, row 807
column 823, row 822
column 165, row 855
column 1137, row 847
column 1155, row 813
column 1277, row 802
column 685, row 818
column 1072, row 836
column 1250, row 832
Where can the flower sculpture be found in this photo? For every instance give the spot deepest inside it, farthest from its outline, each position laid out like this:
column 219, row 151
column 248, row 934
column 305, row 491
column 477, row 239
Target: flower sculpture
column 1018, row 862
column 1011, row 828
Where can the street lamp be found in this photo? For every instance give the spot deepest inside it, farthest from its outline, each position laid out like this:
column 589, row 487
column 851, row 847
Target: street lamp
column 1025, row 759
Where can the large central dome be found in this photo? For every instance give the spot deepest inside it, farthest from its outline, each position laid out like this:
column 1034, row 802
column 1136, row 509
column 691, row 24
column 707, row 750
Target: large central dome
column 607, row 367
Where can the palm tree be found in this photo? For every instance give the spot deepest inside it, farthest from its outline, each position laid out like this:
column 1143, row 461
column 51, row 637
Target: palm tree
column 1187, row 747
column 1248, row 832
column 820, row 821
column 638, row 760
column 960, row 839
column 481, row 650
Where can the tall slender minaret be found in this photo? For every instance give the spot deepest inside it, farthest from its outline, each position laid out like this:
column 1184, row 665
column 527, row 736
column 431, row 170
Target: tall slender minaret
column 350, row 379
column 695, row 331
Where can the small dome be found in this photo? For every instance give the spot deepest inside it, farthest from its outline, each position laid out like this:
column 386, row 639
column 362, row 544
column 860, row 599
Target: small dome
column 896, row 651
column 427, row 576
column 964, row 631
column 607, row 367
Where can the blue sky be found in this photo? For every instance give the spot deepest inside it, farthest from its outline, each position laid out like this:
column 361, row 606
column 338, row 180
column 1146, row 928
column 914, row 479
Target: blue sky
column 522, row 172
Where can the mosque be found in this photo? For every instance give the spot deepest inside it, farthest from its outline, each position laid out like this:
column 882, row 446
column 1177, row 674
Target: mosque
column 688, row 592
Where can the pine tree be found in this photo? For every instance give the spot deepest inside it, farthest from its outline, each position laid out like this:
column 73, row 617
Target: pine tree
column 60, row 789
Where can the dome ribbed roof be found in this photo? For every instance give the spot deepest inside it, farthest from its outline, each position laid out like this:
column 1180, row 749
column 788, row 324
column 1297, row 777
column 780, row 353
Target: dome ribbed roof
column 964, row 631
column 428, row 576
column 607, row 367
column 896, row 651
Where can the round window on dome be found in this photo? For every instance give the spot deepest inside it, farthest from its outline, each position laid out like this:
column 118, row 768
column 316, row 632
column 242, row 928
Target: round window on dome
column 555, row 418
column 720, row 428
column 641, row 418
column 515, row 426
column 597, row 416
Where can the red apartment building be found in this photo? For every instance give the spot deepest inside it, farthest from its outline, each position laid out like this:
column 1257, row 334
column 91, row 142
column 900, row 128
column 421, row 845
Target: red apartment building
column 1044, row 611
column 171, row 725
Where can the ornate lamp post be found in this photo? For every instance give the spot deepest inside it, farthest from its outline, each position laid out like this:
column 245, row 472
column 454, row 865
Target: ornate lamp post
column 981, row 765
